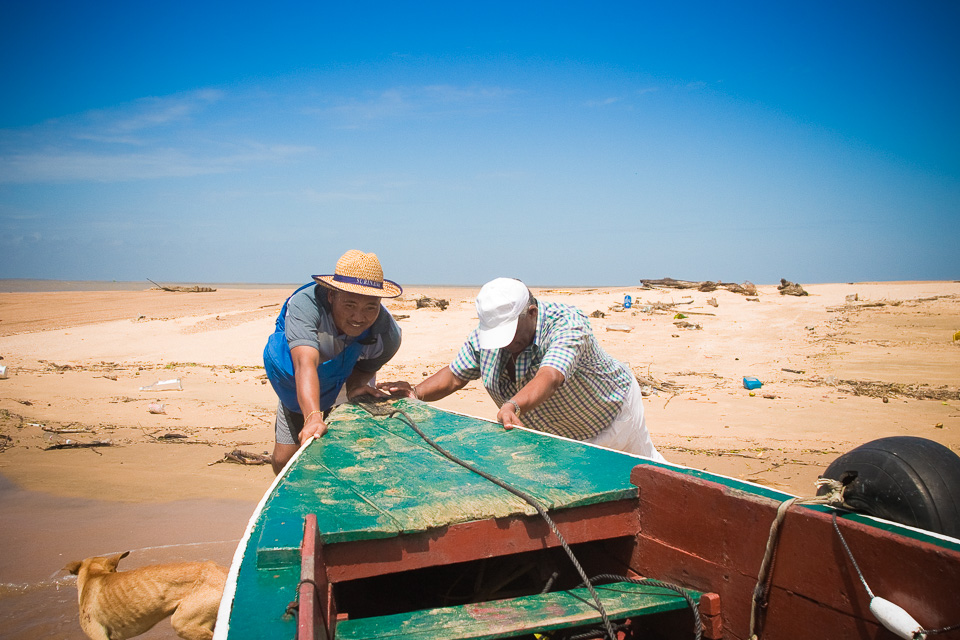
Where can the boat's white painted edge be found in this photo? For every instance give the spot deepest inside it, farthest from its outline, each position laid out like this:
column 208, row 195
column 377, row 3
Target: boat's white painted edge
column 222, row 627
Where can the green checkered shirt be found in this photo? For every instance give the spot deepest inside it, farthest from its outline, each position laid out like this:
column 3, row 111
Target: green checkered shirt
column 594, row 385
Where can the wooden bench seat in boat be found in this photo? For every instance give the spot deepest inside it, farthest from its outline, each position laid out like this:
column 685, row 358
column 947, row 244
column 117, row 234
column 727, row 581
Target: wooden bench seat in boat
column 517, row 616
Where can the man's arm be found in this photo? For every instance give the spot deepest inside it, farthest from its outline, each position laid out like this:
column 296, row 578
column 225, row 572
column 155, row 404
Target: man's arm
column 544, row 384
column 439, row 385
column 305, row 362
column 357, row 385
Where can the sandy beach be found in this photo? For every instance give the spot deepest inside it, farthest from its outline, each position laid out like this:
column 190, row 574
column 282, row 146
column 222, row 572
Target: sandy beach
column 844, row 365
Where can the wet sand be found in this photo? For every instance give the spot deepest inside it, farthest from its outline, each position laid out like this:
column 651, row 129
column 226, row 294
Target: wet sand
column 835, row 374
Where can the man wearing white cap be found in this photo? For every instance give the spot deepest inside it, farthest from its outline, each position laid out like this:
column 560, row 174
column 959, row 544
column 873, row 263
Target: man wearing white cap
column 542, row 365
column 331, row 338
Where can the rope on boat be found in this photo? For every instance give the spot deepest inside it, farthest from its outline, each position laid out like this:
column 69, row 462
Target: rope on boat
column 890, row 615
column 391, row 411
column 650, row 582
column 765, row 577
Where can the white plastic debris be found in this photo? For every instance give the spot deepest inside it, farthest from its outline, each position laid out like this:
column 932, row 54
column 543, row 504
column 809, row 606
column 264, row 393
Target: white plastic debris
column 164, row 385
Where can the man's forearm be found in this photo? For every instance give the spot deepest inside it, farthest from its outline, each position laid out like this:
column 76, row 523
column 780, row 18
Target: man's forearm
column 439, row 385
column 537, row 391
column 358, row 379
column 305, row 360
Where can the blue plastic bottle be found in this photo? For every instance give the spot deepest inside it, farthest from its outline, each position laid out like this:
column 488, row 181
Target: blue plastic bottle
column 627, row 301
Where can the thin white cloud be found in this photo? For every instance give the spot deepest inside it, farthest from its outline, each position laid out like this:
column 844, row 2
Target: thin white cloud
column 16, row 240
column 420, row 101
column 147, row 139
column 603, row 103
column 68, row 166
column 311, row 195
column 148, row 113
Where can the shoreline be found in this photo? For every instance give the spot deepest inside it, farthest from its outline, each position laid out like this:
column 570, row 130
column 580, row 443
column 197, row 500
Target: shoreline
column 42, row 285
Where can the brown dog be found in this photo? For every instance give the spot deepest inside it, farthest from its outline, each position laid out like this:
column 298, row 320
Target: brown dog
column 116, row 606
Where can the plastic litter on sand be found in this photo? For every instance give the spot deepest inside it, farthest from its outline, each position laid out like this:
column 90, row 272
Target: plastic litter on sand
column 164, row 385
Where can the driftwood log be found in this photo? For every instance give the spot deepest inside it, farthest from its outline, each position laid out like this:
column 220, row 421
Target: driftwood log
column 747, row 288
column 432, row 302
column 788, row 288
column 70, row 444
column 194, row 289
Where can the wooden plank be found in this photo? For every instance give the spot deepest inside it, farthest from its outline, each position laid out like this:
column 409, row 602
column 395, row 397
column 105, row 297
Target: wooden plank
column 557, row 474
column 479, row 539
column 517, row 616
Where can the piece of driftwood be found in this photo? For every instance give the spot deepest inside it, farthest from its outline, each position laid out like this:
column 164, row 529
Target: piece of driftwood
column 649, row 380
column 70, row 444
column 788, row 288
column 67, row 430
column 238, row 456
column 670, row 283
column 747, row 288
column 875, row 389
column 194, row 289
column 426, row 301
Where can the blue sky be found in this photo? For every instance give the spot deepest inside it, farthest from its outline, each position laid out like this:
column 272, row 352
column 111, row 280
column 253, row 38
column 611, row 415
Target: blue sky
column 562, row 143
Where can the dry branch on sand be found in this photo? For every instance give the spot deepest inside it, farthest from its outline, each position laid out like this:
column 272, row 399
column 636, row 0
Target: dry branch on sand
column 648, row 380
column 70, row 444
column 875, row 389
column 176, row 289
column 243, row 457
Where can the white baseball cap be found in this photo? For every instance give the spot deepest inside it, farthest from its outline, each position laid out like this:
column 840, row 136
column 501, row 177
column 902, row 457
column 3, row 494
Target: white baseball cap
column 499, row 305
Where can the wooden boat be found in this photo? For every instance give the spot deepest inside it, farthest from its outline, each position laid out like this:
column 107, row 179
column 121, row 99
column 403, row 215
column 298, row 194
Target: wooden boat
column 372, row 532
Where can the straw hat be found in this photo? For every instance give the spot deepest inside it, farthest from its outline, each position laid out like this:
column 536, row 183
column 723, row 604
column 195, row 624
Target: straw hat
column 359, row 272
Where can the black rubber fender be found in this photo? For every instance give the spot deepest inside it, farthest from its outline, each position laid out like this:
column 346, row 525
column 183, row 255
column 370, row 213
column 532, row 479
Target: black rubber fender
column 909, row 480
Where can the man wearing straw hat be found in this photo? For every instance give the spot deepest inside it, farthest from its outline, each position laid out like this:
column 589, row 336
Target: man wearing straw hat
column 331, row 338
column 542, row 365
